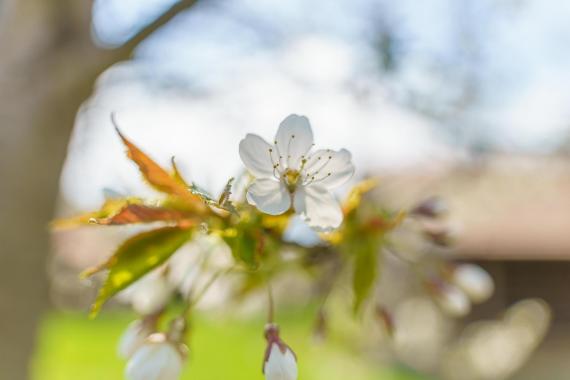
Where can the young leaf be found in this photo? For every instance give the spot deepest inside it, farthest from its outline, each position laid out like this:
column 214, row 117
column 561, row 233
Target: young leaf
column 223, row 202
column 136, row 257
column 110, row 207
column 134, row 213
column 159, row 178
column 246, row 247
column 176, row 174
column 355, row 196
column 365, row 253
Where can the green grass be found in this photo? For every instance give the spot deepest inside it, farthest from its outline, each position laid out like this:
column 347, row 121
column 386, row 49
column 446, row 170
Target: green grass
column 73, row 347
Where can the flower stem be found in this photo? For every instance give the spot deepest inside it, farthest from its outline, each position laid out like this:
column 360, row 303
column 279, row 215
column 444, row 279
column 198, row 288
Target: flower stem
column 193, row 300
column 271, row 304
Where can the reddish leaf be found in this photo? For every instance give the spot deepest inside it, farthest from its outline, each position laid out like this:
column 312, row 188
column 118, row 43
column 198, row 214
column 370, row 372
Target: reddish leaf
column 134, row 213
column 159, row 178
column 110, row 207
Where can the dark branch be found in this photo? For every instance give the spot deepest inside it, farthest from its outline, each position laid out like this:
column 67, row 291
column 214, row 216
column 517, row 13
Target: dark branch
column 127, row 49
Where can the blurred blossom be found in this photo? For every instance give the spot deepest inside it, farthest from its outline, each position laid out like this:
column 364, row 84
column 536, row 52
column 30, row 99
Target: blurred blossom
column 533, row 315
column 432, row 207
column 492, row 350
column 150, row 294
column 191, row 267
column 408, row 241
column 450, row 298
column 473, row 280
column 133, row 337
column 421, row 334
column 157, row 359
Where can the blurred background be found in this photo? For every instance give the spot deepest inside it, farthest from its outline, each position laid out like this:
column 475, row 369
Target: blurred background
column 467, row 99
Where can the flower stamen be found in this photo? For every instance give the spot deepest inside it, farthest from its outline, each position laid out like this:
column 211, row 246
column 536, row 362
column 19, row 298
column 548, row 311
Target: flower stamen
column 316, row 180
column 311, row 176
column 279, row 156
column 289, row 150
column 276, row 173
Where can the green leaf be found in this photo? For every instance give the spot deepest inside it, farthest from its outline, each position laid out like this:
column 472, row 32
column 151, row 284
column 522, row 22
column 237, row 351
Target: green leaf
column 365, row 251
column 246, row 246
column 136, row 257
column 223, row 201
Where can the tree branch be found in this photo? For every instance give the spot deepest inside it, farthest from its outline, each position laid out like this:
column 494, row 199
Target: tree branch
column 125, row 50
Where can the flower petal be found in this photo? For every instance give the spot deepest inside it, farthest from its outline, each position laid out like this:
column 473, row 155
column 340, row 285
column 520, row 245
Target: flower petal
column 154, row 361
column 279, row 365
column 294, row 139
column 257, row 155
column 318, row 207
column 329, row 168
column 151, row 293
column 270, row 196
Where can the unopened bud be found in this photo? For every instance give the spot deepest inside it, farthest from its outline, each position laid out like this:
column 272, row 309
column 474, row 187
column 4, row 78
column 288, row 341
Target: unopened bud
column 151, row 294
column 432, row 207
column 449, row 297
column 157, row 359
column 474, row 281
column 280, row 362
column 386, row 320
column 440, row 235
column 133, row 337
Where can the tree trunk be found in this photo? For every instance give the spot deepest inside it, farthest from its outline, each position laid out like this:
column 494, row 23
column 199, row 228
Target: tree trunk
column 48, row 64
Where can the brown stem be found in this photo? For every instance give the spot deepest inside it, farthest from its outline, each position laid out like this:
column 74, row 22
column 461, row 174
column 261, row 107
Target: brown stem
column 271, row 304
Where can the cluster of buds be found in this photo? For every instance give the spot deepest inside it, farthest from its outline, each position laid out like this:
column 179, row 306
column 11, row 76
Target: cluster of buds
column 430, row 211
column 154, row 355
column 454, row 287
column 457, row 286
column 280, row 362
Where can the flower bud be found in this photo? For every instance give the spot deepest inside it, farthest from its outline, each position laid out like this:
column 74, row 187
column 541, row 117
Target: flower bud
column 386, row 320
column 151, row 293
column 474, row 281
column 440, row 235
column 449, row 297
column 157, row 359
column 432, row 207
column 133, row 337
column 280, row 361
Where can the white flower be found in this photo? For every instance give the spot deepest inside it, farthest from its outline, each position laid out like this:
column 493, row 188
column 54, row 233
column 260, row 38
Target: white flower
column 149, row 294
column 192, row 267
column 474, row 281
column 289, row 175
column 133, row 337
column 157, row 359
column 453, row 301
column 280, row 362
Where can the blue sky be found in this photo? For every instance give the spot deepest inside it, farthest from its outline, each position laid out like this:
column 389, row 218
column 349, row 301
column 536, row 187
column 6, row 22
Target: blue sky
column 226, row 68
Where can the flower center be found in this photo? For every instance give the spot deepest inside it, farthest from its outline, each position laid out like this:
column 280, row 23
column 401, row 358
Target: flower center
column 291, row 178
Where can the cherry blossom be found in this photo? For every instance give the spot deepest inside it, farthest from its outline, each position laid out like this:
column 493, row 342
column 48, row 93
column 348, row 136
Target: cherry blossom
column 289, row 173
